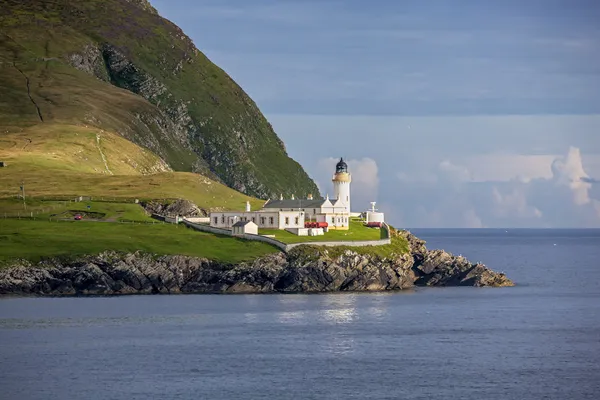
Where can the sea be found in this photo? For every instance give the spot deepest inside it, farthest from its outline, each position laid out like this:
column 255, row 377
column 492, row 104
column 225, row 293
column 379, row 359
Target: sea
column 537, row 340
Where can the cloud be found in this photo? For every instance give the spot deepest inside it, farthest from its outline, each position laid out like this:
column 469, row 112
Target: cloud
column 568, row 171
column 506, row 167
column 427, row 161
column 589, row 180
column 513, row 204
column 445, row 195
column 425, row 177
column 472, row 220
column 453, row 172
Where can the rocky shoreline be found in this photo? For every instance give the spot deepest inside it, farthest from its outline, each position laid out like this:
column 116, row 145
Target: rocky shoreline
column 306, row 269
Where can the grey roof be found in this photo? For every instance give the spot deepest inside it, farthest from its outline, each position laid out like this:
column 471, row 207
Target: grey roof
column 241, row 223
column 297, row 203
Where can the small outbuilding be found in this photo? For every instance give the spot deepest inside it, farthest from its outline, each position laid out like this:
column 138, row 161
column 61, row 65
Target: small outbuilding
column 244, row 227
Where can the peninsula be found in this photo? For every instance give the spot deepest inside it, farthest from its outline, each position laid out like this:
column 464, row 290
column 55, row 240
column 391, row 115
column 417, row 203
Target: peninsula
column 130, row 163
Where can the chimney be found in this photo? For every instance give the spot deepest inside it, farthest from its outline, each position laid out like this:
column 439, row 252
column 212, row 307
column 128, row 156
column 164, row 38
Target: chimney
column 247, row 206
column 309, row 197
column 292, row 197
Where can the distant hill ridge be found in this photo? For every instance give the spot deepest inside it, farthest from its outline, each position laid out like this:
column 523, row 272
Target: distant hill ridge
column 117, row 65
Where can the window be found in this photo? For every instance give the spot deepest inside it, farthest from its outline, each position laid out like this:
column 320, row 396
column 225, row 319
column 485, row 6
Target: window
column 262, row 220
column 253, row 219
column 296, row 220
column 287, row 220
column 216, row 220
column 222, row 219
column 271, row 220
column 315, row 211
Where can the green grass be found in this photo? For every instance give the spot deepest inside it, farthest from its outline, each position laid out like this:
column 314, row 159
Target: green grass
column 64, row 160
column 399, row 245
column 102, row 210
column 109, row 211
column 357, row 231
column 36, row 240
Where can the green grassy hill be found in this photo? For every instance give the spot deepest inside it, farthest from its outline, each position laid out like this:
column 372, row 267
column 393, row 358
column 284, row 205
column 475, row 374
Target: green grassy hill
column 68, row 161
column 116, row 65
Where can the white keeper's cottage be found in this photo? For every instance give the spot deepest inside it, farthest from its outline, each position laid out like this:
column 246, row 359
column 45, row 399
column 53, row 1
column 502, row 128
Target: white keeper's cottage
column 294, row 213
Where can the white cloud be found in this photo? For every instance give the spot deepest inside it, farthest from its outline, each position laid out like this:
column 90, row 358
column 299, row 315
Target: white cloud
column 453, row 172
column 527, row 195
column 513, row 204
column 568, row 171
column 471, row 219
column 506, row 167
column 426, row 164
column 417, row 177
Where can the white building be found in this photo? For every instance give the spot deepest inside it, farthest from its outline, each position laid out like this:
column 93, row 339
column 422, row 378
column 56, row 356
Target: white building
column 373, row 215
column 240, row 228
column 294, row 213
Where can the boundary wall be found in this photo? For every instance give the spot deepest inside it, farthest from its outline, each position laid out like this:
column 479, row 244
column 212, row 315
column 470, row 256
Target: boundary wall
column 286, row 247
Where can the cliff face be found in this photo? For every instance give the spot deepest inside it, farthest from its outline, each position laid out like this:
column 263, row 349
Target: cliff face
column 118, row 65
column 305, row 269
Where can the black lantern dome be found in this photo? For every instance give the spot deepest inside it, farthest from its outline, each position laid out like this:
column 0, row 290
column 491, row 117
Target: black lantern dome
column 341, row 166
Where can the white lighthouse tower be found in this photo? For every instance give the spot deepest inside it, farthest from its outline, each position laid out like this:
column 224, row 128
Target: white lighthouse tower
column 341, row 184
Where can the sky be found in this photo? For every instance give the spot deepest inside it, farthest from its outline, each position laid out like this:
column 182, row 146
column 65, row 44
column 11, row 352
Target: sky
column 450, row 113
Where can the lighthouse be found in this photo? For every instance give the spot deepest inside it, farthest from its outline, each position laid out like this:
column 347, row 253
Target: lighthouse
column 341, row 184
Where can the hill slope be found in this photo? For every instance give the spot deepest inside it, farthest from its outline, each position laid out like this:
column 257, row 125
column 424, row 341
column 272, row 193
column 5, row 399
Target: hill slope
column 69, row 161
column 117, row 65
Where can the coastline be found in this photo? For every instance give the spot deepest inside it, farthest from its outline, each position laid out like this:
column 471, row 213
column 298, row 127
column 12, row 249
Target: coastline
column 305, row 269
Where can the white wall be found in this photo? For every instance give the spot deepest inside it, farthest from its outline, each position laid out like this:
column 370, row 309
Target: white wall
column 374, row 216
column 338, row 220
column 250, row 228
column 271, row 219
column 290, row 217
column 342, row 192
column 298, row 231
column 199, row 220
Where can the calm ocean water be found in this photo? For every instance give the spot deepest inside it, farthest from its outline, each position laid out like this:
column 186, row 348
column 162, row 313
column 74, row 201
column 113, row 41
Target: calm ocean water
column 539, row 340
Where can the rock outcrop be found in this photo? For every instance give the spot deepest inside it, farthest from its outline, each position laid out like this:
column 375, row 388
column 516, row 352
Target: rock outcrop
column 304, row 269
column 181, row 207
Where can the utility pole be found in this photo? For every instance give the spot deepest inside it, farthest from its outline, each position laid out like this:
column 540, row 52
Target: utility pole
column 23, row 194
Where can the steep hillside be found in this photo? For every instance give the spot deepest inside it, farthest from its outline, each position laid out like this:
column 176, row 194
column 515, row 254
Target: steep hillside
column 117, row 65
